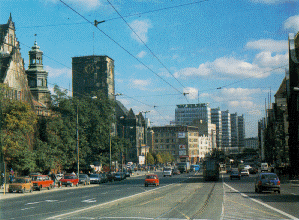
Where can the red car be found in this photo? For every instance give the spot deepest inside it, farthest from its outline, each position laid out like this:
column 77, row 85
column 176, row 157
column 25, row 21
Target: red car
column 69, row 180
column 151, row 179
column 42, row 181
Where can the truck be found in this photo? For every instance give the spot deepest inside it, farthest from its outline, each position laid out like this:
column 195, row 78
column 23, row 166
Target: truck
column 211, row 169
column 184, row 167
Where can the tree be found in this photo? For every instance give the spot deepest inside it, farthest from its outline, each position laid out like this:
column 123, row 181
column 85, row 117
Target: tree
column 150, row 158
column 17, row 135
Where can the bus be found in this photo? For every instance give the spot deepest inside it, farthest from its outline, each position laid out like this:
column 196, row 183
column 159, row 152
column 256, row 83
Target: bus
column 210, row 169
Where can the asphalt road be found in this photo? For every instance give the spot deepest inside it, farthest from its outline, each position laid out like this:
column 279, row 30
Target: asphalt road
column 179, row 197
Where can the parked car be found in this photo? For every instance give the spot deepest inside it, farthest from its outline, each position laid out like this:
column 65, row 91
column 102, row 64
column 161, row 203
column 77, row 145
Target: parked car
column 42, row 181
column 244, row 172
column 267, row 182
column 167, row 171
column 235, row 174
column 111, row 177
column 69, row 180
column 247, row 167
column 104, row 178
column 176, row 172
column 84, row 179
column 21, row 184
column 119, row 176
column 95, row 178
column 151, row 179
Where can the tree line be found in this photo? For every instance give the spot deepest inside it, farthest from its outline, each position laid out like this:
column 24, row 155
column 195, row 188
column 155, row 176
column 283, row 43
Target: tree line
column 31, row 143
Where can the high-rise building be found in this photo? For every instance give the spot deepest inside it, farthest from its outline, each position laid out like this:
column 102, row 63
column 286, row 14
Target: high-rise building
column 216, row 119
column 241, row 131
column 186, row 114
column 234, row 133
column 226, row 131
column 93, row 73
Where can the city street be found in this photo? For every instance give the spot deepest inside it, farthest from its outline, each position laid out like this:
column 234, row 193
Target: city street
column 184, row 196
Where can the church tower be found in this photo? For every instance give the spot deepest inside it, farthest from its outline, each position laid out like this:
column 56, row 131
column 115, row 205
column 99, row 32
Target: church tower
column 37, row 76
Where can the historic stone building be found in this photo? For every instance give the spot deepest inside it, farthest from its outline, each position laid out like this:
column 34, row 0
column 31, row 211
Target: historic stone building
column 12, row 70
column 93, row 73
column 37, row 76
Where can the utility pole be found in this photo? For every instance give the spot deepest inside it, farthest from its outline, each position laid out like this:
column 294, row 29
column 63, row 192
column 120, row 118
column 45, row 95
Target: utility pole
column 77, row 133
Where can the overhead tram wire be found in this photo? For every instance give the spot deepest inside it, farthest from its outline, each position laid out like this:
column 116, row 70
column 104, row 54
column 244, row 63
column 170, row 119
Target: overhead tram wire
column 145, row 44
column 132, row 15
column 251, row 77
column 120, row 46
column 79, row 93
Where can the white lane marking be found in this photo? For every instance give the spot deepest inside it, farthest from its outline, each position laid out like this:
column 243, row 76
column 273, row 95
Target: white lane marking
column 261, row 203
column 28, row 208
column 32, row 203
column 89, row 200
column 99, row 205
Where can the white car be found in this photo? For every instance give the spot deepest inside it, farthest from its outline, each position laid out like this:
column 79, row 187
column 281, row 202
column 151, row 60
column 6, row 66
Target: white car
column 244, row 172
column 247, row 167
column 167, row 171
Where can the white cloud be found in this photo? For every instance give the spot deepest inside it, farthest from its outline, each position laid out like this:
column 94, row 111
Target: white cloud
column 268, row 45
column 141, row 54
column 191, row 93
column 141, row 29
column 140, row 83
column 53, row 73
column 223, row 68
column 265, row 59
column 292, row 24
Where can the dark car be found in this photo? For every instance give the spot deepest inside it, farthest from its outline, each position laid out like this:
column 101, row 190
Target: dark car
column 111, row 177
column 267, row 182
column 84, row 179
column 253, row 170
column 235, row 174
column 103, row 177
column 120, row 176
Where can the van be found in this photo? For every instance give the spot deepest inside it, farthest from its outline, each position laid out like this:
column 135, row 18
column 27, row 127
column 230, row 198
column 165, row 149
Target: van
column 264, row 167
column 167, row 171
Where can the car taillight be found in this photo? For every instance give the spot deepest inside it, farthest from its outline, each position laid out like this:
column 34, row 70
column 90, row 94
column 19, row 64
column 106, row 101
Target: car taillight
column 260, row 182
column 278, row 182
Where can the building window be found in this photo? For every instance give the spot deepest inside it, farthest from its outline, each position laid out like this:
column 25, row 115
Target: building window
column 39, row 82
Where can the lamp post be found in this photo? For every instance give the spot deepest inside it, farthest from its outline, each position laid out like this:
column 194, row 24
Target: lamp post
column 77, row 143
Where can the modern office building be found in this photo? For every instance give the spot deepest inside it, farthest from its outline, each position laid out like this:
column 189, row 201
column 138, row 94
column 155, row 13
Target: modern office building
column 234, row 133
column 186, row 114
column 93, row 73
column 241, row 131
column 216, row 119
column 226, row 131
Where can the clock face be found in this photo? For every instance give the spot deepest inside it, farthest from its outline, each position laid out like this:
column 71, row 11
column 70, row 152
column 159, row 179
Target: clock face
column 89, row 69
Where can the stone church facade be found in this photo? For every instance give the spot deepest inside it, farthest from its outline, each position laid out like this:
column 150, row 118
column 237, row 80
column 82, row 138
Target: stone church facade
column 14, row 75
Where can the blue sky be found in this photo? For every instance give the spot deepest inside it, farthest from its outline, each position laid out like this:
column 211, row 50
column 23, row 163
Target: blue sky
column 192, row 47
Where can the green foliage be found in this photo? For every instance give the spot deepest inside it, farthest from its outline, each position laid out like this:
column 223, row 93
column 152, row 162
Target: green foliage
column 17, row 135
column 150, row 158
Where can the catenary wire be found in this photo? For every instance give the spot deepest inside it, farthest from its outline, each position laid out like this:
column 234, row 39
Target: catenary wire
column 122, row 47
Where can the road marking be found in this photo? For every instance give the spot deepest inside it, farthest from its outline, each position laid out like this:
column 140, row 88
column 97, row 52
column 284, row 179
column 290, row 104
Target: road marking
column 106, row 203
column 261, row 203
column 89, row 200
column 28, row 208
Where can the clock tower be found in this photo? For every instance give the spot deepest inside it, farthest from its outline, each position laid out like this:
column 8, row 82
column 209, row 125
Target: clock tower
column 37, row 76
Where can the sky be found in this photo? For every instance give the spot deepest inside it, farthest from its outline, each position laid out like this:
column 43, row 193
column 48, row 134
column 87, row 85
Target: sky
column 230, row 54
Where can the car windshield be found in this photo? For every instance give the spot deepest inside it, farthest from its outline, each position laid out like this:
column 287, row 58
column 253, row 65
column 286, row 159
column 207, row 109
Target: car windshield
column 37, row 178
column 19, row 180
column 269, row 176
column 167, row 169
column 94, row 175
column 151, row 177
column 82, row 176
